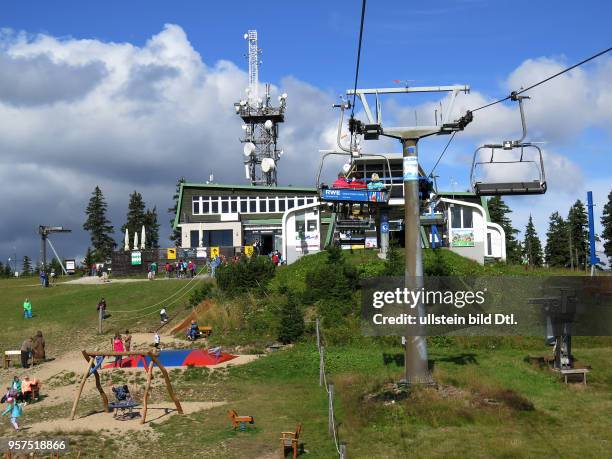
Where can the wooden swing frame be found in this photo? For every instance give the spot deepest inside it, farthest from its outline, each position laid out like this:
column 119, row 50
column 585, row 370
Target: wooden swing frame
column 90, row 357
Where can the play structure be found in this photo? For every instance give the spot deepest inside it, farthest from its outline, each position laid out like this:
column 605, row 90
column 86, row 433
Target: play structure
column 239, row 421
column 94, row 363
column 176, row 358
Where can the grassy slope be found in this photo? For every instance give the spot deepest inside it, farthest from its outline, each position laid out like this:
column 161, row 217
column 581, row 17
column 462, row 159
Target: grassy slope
column 66, row 314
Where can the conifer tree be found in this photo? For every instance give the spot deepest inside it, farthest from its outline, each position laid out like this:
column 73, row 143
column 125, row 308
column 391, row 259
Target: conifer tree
column 175, row 235
column 136, row 215
column 498, row 211
column 26, row 268
column 99, row 227
column 532, row 247
column 578, row 231
column 557, row 242
column 606, row 222
column 291, row 320
column 152, row 228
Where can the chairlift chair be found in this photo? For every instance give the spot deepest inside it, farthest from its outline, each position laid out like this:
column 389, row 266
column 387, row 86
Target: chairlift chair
column 530, row 154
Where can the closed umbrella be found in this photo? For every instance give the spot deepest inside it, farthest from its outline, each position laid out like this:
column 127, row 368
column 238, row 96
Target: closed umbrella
column 126, row 242
column 135, row 247
column 143, row 238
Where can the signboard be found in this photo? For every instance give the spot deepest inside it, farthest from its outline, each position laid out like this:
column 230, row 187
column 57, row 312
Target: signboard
column 200, row 252
column 333, row 194
column 214, row 252
column 248, row 250
column 136, row 258
column 171, row 255
column 371, row 243
column 70, row 266
column 411, row 167
column 384, row 227
column 462, row 238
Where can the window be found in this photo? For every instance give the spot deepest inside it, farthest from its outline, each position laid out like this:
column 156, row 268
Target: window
column 194, row 237
column 234, row 205
column 196, row 205
column 468, row 217
column 462, row 217
column 310, row 201
column 489, row 245
column 252, row 205
column 290, row 202
column 300, row 225
column 224, row 204
column 272, row 205
column 312, row 225
column 206, row 206
column 456, row 216
column 243, row 204
column 263, row 205
column 217, row 238
column 281, row 204
column 300, row 202
column 215, row 205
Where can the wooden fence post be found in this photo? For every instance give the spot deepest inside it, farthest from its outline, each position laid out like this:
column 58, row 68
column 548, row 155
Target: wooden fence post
column 331, row 408
column 342, row 450
column 321, row 366
column 100, row 318
column 318, row 334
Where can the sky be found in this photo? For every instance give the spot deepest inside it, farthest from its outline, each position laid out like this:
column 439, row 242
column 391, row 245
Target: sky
column 132, row 95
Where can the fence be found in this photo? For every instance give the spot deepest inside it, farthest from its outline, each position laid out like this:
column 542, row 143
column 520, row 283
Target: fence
column 329, row 388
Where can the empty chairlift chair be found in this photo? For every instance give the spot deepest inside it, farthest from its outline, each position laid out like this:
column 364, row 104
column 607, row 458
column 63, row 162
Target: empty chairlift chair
column 504, row 155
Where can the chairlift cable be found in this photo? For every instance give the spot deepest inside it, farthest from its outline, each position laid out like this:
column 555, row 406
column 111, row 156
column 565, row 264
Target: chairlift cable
column 601, row 53
column 442, row 154
column 363, row 8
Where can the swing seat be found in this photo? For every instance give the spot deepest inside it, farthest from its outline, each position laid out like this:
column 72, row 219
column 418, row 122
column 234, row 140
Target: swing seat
column 123, row 410
column 509, row 188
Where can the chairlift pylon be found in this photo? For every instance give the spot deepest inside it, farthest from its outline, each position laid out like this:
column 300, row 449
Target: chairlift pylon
column 530, row 154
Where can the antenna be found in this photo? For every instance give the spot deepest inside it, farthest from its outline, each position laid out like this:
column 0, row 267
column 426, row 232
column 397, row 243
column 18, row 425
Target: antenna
column 261, row 119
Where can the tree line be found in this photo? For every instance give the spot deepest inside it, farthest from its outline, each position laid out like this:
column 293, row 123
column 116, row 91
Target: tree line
column 567, row 239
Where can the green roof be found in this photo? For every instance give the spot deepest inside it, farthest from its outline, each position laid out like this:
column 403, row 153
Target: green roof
column 247, row 187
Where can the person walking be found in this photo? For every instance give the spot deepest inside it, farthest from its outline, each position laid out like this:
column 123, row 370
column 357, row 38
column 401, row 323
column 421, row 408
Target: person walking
column 27, row 309
column 102, row 305
column 156, row 340
column 118, row 347
column 15, row 411
column 163, row 315
column 38, row 347
column 26, row 352
column 127, row 341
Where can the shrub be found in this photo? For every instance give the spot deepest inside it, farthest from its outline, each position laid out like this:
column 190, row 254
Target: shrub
column 248, row 274
column 205, row 292
column 291, row 321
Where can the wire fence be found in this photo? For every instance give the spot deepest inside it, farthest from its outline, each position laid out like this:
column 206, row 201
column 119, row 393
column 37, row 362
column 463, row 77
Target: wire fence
column 329, row 388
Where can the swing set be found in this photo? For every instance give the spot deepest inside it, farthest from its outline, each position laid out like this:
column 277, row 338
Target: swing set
column 95, row 360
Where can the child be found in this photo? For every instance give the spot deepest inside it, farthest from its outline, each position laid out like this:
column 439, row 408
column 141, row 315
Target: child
column 163, row 315
column 27, row 309
column 156, row 340
column 118, row 347
column 15, row 409
column 127, row 341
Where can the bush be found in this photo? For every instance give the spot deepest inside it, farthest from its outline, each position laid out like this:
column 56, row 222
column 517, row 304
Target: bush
column 205, row 292
column 248, row 274
column 291, row 321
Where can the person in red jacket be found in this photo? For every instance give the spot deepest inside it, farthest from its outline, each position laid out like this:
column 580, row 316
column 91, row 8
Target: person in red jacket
column 340, row 182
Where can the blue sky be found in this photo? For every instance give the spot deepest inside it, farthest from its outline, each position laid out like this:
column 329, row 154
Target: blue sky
column 309, row 50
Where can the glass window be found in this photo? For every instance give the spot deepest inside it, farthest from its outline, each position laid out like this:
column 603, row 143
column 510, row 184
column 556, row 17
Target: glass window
column 272, row 205
column 300, row 225
column 196, row 206
column 456, row 216
column 217, row 238
column 312, row 225
column 467, row 217
column 489, row 244
column 290, row 202
column 224, row 206
column 252, row 205
column 309, row 200
column 194, row 237
column 206, row 206
column 234, row 205
column 300, row 202
column 281, row 204
column 215, row 206
column 263, row 205
column 243, row 204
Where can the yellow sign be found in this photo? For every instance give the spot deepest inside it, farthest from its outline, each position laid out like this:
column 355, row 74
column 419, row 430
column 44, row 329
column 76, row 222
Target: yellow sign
column 171, row 254
column 214, row 252
column 248, row 250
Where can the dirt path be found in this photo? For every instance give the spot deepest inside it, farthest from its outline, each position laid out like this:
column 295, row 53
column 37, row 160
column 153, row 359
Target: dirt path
column 94, row 280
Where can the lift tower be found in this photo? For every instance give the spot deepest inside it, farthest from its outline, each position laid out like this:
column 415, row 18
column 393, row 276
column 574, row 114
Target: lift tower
column 44, row 232
column 416, row 363
column 261, row 121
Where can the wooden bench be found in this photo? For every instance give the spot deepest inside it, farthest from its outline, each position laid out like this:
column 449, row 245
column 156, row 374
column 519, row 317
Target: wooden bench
column 576, row 371
column 290, row 440
column 205, row 331
column 239, row 421
column 10, row 355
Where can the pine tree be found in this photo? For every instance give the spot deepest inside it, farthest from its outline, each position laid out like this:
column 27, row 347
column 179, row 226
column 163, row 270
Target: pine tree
column 606, row 222
column 152, row 228
column 7, row 272
column 532, row 247
column 99, row 227
column 26, row 268
column 557, row 242
column 578, row 229
column 291, row 320
column 1, row 269
column 89, row 259
column 497, row 212
column 136, row 216
column 175, row 235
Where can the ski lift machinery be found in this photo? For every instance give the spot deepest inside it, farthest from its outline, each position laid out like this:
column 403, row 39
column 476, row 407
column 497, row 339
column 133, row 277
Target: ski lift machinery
column 530, row 154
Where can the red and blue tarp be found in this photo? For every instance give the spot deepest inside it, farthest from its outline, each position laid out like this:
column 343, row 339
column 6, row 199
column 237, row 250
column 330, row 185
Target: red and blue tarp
column 177, row 358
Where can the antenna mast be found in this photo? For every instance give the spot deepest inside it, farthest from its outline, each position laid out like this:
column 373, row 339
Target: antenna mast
column 261, row 120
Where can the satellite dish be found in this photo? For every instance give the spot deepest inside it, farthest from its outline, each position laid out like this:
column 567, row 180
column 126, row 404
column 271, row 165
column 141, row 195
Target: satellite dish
column 242, row 103
column 246, row 36
column 282, row 152
column 244, row 127
column 268, row 124
column 346, row 168
column 267, row 164
column 284, row 95
column 249, row 148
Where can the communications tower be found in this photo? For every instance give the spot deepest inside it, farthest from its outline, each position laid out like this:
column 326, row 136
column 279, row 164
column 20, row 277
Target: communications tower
column 261, row 120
